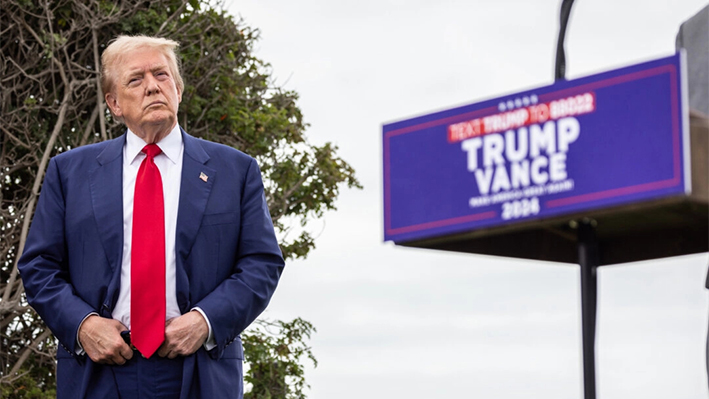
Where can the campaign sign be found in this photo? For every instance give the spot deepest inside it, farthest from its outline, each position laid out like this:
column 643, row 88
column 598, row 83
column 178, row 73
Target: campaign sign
column 610, row 139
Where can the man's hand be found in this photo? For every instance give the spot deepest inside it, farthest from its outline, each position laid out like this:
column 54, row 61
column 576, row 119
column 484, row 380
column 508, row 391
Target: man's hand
column 101, row 339
column 184, row 335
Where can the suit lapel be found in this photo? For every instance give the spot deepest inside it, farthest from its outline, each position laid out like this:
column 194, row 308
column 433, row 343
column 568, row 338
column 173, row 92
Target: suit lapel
column 195, row 187
column 106, row 186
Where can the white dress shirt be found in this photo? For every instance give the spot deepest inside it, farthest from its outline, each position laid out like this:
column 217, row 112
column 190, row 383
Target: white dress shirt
column 169, row 163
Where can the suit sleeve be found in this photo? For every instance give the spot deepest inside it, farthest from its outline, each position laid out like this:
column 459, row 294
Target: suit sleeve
column 43, row 265
column 238, row 300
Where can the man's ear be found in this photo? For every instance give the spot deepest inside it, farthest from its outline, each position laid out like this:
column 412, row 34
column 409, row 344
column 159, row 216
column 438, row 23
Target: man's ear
column 112, row 102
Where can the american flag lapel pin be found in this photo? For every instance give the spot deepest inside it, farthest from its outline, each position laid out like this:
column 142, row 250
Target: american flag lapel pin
column 203, row 176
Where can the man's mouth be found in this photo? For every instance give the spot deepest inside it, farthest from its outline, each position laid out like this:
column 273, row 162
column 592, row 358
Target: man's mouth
column 155, row 103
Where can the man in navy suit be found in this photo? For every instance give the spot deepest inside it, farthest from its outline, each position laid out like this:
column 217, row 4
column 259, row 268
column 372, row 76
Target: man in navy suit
column 93, row 236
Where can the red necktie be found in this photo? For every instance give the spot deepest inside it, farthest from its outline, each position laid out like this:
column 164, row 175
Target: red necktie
column 147, row 260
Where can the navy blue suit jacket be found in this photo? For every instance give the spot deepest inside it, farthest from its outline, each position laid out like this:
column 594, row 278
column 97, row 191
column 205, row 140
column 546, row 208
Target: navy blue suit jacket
column 228, row 259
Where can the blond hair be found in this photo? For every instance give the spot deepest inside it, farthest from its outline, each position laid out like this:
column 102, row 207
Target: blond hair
column 124, row 44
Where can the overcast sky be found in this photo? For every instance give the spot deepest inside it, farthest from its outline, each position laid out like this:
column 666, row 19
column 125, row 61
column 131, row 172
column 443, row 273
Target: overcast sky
column 404, row 323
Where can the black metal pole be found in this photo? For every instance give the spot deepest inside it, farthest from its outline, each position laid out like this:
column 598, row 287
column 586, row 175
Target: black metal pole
column 560, row 66
column 588, row 259
column 587, row 243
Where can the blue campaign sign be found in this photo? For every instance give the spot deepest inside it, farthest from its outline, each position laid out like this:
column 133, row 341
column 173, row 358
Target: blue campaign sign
column 610, row 139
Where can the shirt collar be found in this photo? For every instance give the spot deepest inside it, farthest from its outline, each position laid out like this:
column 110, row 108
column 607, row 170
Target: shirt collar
column 170, row 145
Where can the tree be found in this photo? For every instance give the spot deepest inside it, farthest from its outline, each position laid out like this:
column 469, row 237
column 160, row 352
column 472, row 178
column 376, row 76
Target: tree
column 51, row 101
column 274, row 358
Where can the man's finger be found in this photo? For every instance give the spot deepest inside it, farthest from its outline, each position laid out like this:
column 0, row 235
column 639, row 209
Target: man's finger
column 163, row 350
column 119, row 360
column 126, row 352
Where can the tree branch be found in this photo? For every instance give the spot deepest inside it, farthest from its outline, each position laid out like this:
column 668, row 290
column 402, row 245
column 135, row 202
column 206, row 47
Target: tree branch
column 172, row 17
column 99, row 90
column 27, row 351
column 37, row 183
column 90, row 125
column 14, row 138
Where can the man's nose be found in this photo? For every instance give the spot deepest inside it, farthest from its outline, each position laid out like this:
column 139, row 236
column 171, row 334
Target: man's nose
column 151, row 85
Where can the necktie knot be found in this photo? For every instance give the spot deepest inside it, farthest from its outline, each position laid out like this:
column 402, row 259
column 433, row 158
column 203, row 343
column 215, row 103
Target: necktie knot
column 151, row 150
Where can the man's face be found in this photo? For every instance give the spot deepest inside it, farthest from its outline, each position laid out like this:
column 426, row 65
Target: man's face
column 144, row 93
